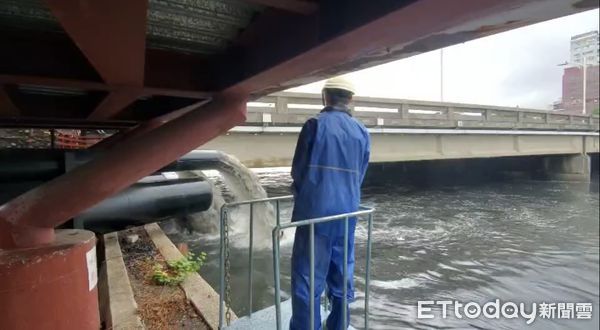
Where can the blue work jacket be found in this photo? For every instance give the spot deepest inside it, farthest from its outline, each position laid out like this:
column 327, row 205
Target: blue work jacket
column 329, row 166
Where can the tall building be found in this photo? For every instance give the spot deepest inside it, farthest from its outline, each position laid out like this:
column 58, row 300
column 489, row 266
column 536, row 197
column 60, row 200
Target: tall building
column 585, row 45
column 585, row 49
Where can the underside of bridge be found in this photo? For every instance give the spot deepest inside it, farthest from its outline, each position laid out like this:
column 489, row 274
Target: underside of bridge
column 174, row 74
column 117, row 63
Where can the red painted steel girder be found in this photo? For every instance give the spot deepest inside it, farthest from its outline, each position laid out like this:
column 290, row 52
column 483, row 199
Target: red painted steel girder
column 29, row 219
column 166, row 72
column 146, row 127
column 115, row 102
column 110, row 33
column 287, row 50
column 358, row 34
column 98, row 86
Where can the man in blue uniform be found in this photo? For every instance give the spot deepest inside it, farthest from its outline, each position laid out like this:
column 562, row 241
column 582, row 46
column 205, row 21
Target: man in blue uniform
column 329, row 166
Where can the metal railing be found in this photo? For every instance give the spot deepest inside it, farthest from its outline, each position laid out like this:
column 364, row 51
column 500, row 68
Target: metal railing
column 224, row 251
column 287, row 109
column 276, row 234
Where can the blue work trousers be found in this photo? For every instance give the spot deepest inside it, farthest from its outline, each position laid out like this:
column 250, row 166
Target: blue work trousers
column 329, row 269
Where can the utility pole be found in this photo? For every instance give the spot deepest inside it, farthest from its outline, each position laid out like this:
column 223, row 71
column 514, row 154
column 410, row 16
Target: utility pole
column 442, row 75
column 584, row 98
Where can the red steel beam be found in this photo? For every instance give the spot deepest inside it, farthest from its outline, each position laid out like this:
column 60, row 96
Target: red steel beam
column 7, row 107
column 175, row 73
column 192, row 94
column 114, row 102
column 97, row 86
column 54, row 82
column 295, row 6
column 110, row 33
column 146, row 127
column 29, row 219
column 359, row 34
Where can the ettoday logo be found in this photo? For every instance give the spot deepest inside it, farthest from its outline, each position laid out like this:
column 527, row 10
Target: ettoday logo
column 508, row 310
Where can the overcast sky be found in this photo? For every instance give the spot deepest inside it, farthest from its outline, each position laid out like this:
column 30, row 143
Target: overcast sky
column 518, row 67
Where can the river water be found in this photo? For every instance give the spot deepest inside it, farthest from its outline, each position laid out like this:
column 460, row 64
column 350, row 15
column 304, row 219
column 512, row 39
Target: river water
column 522, row 242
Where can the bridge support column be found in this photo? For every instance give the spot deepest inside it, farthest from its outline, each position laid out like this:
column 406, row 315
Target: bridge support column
column 51, row 287
column 568, row 167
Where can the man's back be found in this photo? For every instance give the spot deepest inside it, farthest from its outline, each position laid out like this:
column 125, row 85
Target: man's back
column 332, row 168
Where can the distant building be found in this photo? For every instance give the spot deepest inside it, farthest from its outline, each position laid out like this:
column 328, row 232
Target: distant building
column 583, row 46
column 572, row 89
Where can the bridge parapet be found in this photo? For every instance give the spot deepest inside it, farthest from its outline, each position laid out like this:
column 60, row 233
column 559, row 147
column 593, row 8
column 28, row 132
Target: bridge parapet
column 293, row 109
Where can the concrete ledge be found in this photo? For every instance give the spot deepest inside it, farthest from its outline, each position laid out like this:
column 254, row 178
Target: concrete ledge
column 204, row 298
column 122, row 309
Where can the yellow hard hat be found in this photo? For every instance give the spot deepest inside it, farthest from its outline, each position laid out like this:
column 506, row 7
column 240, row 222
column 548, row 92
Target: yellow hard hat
column 340, row 83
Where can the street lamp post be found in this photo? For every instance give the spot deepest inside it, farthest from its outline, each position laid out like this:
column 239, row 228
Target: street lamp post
column 584, row 85
column 442, row 74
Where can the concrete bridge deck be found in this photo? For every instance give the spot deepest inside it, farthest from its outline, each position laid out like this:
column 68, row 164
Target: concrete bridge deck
column 405, row 130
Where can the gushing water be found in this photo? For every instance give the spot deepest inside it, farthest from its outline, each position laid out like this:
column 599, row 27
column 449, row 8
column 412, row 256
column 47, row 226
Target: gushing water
column 243, row 185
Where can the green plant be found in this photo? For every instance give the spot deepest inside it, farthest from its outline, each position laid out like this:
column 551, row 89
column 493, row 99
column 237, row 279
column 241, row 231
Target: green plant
column 177, row 270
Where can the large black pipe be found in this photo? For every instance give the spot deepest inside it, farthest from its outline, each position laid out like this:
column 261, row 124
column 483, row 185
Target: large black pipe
column 147, row 202
column 30, row 165
column 44, row 165
column 10, row 190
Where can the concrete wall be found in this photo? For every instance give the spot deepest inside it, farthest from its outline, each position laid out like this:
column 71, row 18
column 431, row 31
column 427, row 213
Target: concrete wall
column 271, row 149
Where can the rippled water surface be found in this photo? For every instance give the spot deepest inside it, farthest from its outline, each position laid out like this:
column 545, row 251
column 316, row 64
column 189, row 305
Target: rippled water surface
column 519, row 241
